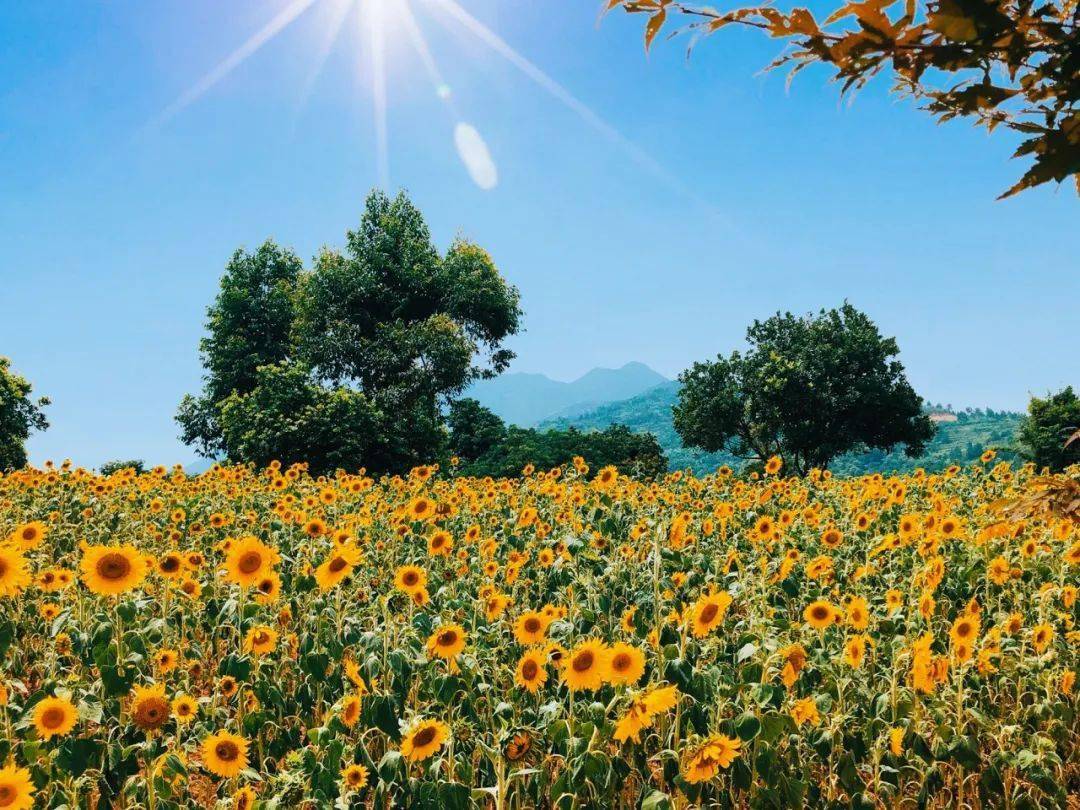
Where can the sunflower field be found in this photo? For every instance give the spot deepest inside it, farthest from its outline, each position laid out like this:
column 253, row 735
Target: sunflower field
column 568, row 638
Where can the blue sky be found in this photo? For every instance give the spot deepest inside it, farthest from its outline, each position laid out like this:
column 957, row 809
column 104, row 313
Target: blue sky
column 115, row 226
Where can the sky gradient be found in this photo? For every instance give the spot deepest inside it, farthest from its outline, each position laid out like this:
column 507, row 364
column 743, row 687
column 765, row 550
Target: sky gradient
column 116, row 224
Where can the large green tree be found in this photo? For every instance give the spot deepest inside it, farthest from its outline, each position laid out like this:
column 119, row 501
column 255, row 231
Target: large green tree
column 1047, row 434
column 484, row 445
column 808, row 389
column 1001, row 63
column 19, row 416
column 353, row 362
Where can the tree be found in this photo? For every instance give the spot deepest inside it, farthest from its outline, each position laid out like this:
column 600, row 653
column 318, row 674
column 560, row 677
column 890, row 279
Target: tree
column 111, row 467
column 1011, row 63
column 1047, row 432
column 484, row 445
column 353, row 362
column 808, row 390
column 19, row 416
column 474, row 429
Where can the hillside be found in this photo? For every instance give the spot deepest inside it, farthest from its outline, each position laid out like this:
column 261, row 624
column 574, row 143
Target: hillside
column 526, row 399
column 960, row 442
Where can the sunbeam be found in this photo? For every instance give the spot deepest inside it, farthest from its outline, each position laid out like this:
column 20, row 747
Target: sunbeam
column 333, row 31
column 553, row 88
column 377, row 37
column 286, row 16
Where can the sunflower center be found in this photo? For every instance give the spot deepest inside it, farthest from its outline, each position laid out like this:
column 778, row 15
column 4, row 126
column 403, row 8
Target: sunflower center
column 447, row 638
column 227, row 750
column 113, row 566
column 7, row 795
column 532, row 625
column 820, row 613
column 424, row 737
column 170, row 565
column 337, row 564
column 709, row 612
column 52, row 718
column 250, row 562
column 3, row 568
column 529, row 670
column 621, row 662
column 583, row 661
column 410, row 578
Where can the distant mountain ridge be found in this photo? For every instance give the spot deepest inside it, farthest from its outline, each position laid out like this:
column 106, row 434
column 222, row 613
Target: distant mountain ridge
column 528, row 399
column 956, row 442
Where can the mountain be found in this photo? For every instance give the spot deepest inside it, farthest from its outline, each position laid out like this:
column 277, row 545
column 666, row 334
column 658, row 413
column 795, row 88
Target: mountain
column 526, row 399
column 960, row 441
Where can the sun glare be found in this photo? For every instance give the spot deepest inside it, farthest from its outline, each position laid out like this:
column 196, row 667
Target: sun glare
column 380, row 24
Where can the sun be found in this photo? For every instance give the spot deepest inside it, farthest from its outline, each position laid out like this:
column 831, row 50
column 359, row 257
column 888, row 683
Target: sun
column 380, row 24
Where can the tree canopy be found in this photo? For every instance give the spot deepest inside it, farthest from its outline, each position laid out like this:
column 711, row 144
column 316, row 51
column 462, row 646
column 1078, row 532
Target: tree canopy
column 1048, row 434
column 808, row 389
column 484, row 445
column 19, row 416
column 352, row 362
column 1012, row 63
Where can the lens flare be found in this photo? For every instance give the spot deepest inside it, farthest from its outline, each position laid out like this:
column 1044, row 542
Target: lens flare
column 475, row 155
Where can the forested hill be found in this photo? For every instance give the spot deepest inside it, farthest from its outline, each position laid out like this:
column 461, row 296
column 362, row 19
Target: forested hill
column 959, row 442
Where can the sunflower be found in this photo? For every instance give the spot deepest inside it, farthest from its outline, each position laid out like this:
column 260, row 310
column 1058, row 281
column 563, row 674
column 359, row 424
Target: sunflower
column 518, row 747
column 243, row 799
column 355, row 776
column 16, row 788
column 420, row 509
column 857, row 613
column 29, row 536
column 832, row 538
column 54, row 717
column 224, row 754
column 1041, row 636
column 248, row 560
column 171, row 565
column 228, row 686
column 820, row 614
column 337, row 566
column 773, row 465
column 268, row 588
column 184, row 708
column 715, row 753
column 805, row 711
column 855, row 651
column 586, row 666
column 150, row 709
column 626, row 664
column 965, row 629
column 112, row 570
column 440, row 544
column 708, row 612
column 531, row 672
column 166, row 660
column 447, row 641
column 531, row 627
column 410, row 579
column 261, row 639
column 424, row 739
column 350, row 710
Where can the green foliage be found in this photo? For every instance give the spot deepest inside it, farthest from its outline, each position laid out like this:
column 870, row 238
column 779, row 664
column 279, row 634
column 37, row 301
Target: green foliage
column 958, row 442
column 808, row 389
column 474, row 429
column 485, row 446
column 350, row 363
column 19, row 416
column 1010, row 63
column 1049, row 426
column 111, row 467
